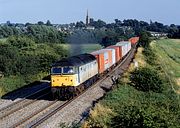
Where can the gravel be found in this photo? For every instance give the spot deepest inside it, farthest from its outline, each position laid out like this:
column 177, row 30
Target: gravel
column 78, row 110
column 21, row 114
column 4, row 103
column 21, row 94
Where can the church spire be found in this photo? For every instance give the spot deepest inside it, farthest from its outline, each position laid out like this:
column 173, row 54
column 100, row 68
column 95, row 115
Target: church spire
column 87, row 19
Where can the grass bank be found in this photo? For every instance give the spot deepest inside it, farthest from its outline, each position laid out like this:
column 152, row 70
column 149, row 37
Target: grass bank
column 130, row 105
column 168, row 53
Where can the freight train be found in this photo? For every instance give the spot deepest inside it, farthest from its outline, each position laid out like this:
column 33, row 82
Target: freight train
column 70, row 76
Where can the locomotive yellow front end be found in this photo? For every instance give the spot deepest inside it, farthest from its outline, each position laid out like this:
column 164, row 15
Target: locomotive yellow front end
column 63, row 76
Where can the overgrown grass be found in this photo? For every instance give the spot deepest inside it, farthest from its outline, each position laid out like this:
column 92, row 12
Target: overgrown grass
column 134, row 108
column 10, row 83
column 3, row 40
column 168, row 54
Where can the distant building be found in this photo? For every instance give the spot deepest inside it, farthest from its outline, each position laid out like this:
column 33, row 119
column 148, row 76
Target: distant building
column 158, row 34
column 88, row 27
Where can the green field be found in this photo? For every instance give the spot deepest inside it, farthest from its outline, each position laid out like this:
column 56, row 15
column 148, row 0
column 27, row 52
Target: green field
column 168, row 51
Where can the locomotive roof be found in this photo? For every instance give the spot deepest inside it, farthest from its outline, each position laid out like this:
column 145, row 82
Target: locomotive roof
column 75, row 60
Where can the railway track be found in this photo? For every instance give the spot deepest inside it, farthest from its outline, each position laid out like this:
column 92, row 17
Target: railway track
column 36, row 122
column 42, row 114
column 11, row 108
column 25, row 122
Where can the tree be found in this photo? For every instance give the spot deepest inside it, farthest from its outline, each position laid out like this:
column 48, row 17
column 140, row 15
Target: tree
column 22, row 43
column 146, row 79
column 48, row 23
column 8, row 59
column 40, row 23
column 144, row 38
column 99, row 24
column 91, row 20
column 118, row 22
column 43, row 33
column 80, row 24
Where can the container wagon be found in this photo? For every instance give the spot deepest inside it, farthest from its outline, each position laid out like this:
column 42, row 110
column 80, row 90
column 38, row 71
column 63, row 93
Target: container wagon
column 126, row 47
column 105, row 59
column 134, row 40
column 118, row 51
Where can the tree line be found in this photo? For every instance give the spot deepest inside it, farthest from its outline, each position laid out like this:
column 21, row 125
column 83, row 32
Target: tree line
column 40, row 33
column 172, row 30
column 23, row 56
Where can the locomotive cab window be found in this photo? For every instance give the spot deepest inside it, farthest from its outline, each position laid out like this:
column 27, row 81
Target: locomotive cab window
column 68, row 70
column 56, row 70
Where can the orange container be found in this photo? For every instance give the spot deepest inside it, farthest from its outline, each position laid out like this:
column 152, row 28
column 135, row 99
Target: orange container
column 104, row 59
column 100, row 60
column 118, row 52
column 134, row 40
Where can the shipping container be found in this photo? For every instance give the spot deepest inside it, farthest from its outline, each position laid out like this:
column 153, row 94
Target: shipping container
column 104, row 58
column 113, row 54
column 134, row 40
column 118, row 51
column 126, row 47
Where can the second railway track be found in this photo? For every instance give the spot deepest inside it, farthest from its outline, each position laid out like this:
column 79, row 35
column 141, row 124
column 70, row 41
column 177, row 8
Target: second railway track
column 52, row 107
column 58, row 107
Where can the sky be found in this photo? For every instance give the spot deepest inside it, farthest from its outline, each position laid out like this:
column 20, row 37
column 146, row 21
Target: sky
column 68, row 11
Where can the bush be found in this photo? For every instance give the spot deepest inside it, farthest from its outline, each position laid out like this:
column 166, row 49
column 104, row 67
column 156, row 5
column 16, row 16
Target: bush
column 150, row 56
column 146, row 79
column 128, row 117
column 144, row 39
column 96, row 120
column 145, row 116
column 8, row 58
column 21, row 42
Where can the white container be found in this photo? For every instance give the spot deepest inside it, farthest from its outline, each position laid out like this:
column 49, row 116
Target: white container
column 126, row 47
column 113, row 55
